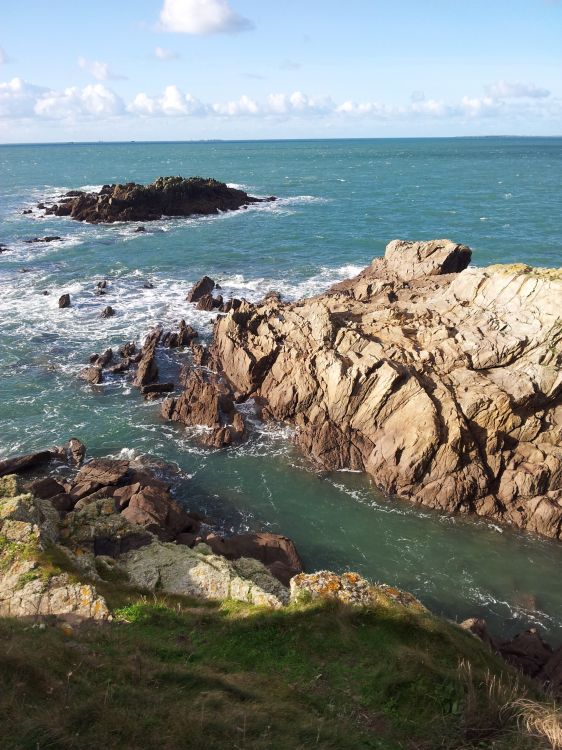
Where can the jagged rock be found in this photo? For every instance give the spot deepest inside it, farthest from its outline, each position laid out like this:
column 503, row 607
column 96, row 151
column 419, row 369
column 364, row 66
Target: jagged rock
column 167, row 196
column 200, row 289
column 206, row 302
column 107, row 312
column 277, row 553
column 157, row 389
column 128, row 349
column 102, row 360
column 147, row 371
column 445, row 386
column 64, row 300
column 153, row 509
column 92, row 375
column 184, row 337
column 177, row 569
column 206, row 401
column 103, row 471
column 479, row 628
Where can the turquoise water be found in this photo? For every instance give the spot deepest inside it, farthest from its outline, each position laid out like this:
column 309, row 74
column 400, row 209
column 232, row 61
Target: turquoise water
column 340, row 203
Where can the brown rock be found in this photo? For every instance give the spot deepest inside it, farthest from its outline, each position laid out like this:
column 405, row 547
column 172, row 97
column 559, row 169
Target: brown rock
column 92, row 375
column 127, row 350
column 442, row 383
column 277, row 553
column 166, row 196
column 154, row 509
column 107, row 312
column 157, row 388
column 45, row 488
column 206, row 302
column 18, row 464
column 103, row 471
column 201, row 288
column 147, row 371
column 64, row 300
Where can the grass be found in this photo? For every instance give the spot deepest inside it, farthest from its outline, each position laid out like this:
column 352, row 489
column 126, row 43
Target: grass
column 173, row 674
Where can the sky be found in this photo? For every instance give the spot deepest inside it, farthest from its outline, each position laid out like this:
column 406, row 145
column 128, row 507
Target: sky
column 251, row 69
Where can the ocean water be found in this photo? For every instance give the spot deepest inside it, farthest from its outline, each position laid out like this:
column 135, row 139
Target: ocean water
column 339, row 203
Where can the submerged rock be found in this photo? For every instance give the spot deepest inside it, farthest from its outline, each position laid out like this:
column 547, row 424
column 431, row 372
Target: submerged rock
column 167, row 196
column 444, row 384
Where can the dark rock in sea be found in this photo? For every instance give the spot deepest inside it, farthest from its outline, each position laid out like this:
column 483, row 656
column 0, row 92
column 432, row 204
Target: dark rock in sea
column 92, row 374
column 201, row 288
column 102, row 284
column 147, row 371
column 107, row 312
column 206, row 401
column 156, row 388
column 17, row 464
column 120, row 368
column 44, row 239
column 4, row 249
column 99, row 292
column 41, row 206
column 45, row 292
column 277, row 553
column 140, row 229
column 64, row 300
column 127, row 349
column 185, row 335
column 527, row 651
column 102, row 360
column 148, row 285
column 27, row 211
column 206, row 302
column 167, row 196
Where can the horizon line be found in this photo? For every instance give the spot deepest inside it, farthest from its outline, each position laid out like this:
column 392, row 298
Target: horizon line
column 274, row 140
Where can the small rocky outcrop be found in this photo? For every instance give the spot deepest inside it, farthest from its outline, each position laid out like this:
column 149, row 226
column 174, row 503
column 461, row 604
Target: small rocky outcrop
column 442, row 382
column 200, row 289
column 206, row 401
column 147, row 371
column 64, row 300
column 349, row 588
column 107, row 312
column 277, row 553
column 166, row 196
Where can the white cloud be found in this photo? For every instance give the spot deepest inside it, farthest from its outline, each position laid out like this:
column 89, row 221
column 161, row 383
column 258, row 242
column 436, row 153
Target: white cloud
column 161, row 53
column 94, row 100
column 516, row 90
column 202, row 17
column 99, row 70
column 172, row 103
column 18, row 98
column 298, row 103
column 242, row 106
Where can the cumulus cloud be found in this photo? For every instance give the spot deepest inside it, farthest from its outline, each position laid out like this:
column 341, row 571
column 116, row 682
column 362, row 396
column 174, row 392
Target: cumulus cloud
column 172, row 103
column 161, row 53
column 20, row 100
column 99, row 70
column 202, row 17
column 242, row 106
column 516, row 90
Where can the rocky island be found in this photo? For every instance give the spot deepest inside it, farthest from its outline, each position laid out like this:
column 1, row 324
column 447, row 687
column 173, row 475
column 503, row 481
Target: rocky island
column 166, row 196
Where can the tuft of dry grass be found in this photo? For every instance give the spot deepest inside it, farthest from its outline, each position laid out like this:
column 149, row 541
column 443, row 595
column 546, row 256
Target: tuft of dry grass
column 542, row 720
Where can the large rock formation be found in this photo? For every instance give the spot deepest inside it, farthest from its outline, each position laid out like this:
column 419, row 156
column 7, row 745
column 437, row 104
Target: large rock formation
column 166, row 196
column 444, row 384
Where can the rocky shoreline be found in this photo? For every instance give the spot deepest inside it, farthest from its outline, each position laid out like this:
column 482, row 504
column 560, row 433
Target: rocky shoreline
column 80, row 525
column 442, row 381
column 166, row 196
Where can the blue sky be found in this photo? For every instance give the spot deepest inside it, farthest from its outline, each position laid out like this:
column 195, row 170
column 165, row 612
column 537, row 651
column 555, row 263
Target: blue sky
column 183, row 69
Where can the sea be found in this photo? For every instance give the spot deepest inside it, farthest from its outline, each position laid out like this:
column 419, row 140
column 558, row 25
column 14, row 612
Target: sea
column 339, row 203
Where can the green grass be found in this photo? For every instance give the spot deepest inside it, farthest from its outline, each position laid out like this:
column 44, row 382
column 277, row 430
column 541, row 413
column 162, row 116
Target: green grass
column 173, row 674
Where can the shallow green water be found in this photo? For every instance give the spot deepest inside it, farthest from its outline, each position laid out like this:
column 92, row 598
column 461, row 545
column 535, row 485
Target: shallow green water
column 341, row 202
